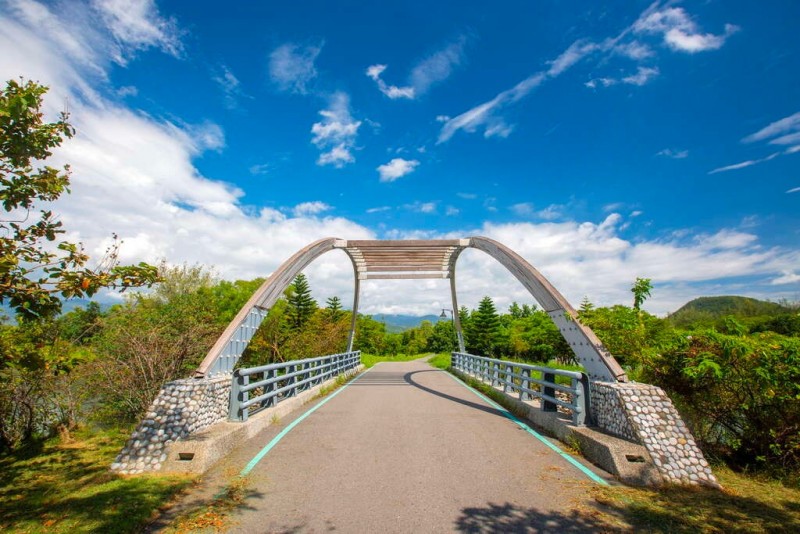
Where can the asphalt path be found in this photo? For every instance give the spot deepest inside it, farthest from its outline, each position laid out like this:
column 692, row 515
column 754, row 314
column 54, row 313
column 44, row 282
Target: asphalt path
column 407, row 448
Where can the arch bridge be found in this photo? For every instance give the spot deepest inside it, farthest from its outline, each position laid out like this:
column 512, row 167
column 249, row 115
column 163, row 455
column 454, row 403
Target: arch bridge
column 642, row 415
column 411, row 259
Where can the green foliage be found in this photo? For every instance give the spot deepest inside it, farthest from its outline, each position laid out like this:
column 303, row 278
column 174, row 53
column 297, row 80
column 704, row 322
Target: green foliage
column 35, row 271
column 442, row 338
column 301, row 304
column 641, row 290
column 334, row 308
column 704, row 312
column 483, row 333
column 741, row 394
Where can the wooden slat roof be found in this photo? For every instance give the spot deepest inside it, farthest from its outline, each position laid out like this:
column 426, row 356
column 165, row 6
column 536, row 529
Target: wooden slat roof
column 403, row 258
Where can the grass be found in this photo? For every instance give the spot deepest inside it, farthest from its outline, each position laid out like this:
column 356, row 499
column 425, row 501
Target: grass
column 60, row 487
column 747, row 503
column 371, row 359
column 441, row 360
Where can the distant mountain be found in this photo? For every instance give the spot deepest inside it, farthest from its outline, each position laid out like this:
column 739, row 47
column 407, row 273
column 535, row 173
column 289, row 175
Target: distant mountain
column 400, row 323
column 715, row 307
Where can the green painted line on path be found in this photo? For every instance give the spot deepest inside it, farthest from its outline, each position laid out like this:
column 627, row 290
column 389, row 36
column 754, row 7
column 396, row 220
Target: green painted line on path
column 269, row 446
column 585, row 470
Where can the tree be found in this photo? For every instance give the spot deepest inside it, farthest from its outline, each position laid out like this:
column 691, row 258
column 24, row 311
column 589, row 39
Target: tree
column 334, row 308
column 35, row 271
column 485, row 328
column 641, row 290
column 301, row 304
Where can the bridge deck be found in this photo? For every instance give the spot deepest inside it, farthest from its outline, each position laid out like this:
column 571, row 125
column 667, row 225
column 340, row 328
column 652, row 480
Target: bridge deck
column 406, row 448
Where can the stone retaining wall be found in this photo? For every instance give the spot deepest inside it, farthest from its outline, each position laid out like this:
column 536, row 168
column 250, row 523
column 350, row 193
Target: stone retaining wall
column 645, row 414
column 181, row 408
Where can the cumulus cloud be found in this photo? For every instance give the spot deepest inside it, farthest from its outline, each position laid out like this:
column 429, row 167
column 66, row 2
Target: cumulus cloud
column 396, row 168
column 433, row 69
column 291, row 66
column 310, row 208
column 336, row 133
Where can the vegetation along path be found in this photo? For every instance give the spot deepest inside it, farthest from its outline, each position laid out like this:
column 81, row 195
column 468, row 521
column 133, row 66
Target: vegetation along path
column 404, row 448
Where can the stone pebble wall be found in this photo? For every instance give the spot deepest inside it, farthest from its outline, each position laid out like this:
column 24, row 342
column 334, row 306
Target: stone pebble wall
column 181, row 408
column 645, row 414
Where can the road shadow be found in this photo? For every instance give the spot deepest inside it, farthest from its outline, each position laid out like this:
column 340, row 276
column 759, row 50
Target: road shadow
column 505, row 518
column 409, row 379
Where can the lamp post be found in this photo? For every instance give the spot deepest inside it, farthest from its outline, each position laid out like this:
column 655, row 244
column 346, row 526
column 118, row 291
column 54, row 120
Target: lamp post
column 443, row 315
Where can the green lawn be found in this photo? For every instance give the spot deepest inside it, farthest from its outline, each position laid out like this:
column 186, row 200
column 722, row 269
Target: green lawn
column 59, row 487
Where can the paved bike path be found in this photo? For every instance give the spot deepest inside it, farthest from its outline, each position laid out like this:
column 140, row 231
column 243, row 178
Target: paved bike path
column 406, row 448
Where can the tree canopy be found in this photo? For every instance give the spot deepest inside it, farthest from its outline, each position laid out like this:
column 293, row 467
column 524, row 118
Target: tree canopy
column 36, row 270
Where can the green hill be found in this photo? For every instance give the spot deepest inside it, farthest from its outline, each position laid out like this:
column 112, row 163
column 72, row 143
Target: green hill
column 707, row 309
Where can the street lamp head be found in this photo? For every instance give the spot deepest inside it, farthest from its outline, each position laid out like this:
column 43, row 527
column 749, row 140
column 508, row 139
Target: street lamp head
column 443, row 315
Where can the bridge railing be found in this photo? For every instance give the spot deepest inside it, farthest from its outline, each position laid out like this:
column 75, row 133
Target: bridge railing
column 529, row 382
column 257, row 388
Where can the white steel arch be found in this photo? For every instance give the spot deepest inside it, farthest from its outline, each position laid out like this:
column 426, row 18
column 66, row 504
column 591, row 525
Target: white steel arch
column 411, row 259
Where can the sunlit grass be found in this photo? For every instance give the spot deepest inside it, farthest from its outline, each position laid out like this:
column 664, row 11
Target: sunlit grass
column 747, row 503
column 67, row 487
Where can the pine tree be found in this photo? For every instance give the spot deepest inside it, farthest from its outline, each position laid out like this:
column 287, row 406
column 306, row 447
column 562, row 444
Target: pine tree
column 485, row 328
column 334, row 307
column 301, row 304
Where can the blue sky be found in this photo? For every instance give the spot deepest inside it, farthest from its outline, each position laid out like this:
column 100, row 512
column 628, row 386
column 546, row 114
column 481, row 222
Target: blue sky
column 603, row 143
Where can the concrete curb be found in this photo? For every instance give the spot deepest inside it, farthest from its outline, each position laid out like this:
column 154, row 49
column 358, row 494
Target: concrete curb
column 198, row 452
column 628, row 461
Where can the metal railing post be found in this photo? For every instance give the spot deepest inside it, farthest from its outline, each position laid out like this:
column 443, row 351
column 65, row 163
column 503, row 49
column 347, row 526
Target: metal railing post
column 579, row 400
column 549, row 406
column 525, row 384
column 233, row 406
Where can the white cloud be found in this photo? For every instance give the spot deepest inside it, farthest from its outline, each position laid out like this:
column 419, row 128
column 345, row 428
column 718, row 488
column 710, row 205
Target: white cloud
column 291, row 67
column 437, row 67
column 744, row 164
column 673, row 153
column 260, row 168
column 379, row 209
column 634, row 50
column 576, row 51
column 642, row 76
column 310, row 208
column 785, row 131
column 679, row 31
column 230, row 86
column 396, row 168
column 451, row 211
column 421, row 207
column 392, row 91
column 336, row 132
column 523, row 209
column 433, row 69
column 794, row 190
column 467, row 196
column 780, row 127
column 137, row 25
column 788, row 277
